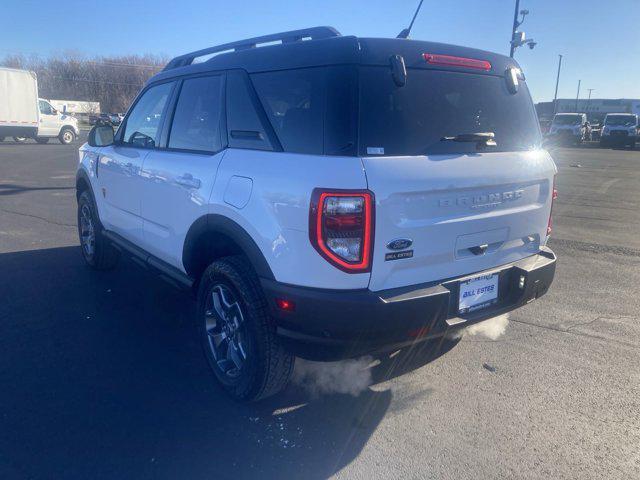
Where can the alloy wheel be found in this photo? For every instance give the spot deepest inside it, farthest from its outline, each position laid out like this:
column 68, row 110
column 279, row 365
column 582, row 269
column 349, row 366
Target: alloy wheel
column 87, row 231
column 226, row 330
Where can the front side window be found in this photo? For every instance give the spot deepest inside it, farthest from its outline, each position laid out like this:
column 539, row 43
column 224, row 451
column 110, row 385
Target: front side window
column 196, row 122
column 45, row 108
column 143, row 124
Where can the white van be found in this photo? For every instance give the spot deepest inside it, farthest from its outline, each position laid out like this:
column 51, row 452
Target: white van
column 23, row 115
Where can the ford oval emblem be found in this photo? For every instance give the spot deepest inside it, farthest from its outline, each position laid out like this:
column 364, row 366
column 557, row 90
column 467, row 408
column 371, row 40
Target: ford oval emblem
column 399, row 244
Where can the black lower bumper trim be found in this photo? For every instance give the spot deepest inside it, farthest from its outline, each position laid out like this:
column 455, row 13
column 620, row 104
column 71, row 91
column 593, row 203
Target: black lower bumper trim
column 336, row 324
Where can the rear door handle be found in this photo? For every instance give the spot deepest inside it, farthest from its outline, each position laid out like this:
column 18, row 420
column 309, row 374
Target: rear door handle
column 187, row 180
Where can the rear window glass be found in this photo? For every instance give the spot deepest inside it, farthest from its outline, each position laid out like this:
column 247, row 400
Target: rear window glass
column 312, row 110
column 413, row 119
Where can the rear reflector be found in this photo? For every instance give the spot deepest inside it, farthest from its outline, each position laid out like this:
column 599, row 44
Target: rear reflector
column 341, row 228
column 286, row 305
column 435, row 59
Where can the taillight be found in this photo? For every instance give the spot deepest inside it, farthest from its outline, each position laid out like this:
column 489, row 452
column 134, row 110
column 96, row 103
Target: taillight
column 450, row 60
column 554, row 195
column 341, row 228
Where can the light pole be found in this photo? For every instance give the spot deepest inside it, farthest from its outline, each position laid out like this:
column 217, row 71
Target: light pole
column 555, row 96
column 578, row 94
column 589, row 99
column 518, row 39
column 516, row 24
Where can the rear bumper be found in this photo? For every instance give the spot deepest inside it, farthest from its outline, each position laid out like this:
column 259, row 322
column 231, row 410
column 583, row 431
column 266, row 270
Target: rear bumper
column 338, row 324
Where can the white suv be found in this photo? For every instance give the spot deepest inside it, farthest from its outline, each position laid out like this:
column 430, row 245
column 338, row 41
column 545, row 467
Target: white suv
column 570, row 127
column 620, row 129
column 326, row 197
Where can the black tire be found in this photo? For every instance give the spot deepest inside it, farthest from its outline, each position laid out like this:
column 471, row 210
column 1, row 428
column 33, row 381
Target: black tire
column 19, row 139
column 66, row 136
column 267, row 367
column 103, row 256
column 42, row 140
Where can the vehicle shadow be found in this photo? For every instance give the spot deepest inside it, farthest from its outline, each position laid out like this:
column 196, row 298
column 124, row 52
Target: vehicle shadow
column 13, row 189
column 102, row 376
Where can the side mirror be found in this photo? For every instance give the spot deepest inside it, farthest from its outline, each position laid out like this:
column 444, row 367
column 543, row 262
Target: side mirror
column 101, row 136
column 54, row 111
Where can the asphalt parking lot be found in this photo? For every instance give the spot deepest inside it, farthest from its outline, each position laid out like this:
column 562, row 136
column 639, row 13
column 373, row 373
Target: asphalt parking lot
column 101, row 375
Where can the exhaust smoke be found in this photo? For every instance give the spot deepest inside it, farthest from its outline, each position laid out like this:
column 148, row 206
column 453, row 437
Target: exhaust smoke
column 347, row 376
column 492, row 328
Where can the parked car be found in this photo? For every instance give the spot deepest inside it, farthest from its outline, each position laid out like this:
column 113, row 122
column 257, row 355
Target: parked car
column 570, row 128
column 596, row 128
column 23, row 115
column 321, row 212
column 114, row 119
column 620, row 129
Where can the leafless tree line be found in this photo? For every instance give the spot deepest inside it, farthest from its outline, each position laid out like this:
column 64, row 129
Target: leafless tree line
column 113, row 81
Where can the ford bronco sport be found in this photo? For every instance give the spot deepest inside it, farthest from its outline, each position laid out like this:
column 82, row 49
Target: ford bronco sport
column 326, row 196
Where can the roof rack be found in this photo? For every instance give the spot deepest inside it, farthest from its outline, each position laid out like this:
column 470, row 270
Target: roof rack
column 313, row 33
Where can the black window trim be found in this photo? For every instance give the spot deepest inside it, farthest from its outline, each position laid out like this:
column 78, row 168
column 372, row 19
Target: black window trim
column 118, row 140
column 272, row 137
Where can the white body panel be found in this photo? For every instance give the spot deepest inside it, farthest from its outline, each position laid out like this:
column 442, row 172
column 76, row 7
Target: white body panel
column 175, row 191
column 18, row 98
column 153, row 197
column 277, row 213
column 119, row 190
column 447, row 204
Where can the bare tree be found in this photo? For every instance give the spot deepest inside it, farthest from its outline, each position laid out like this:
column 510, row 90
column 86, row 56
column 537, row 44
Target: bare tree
column 112, row 80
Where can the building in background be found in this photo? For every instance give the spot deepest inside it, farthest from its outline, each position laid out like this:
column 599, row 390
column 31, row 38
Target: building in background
column 596, row 108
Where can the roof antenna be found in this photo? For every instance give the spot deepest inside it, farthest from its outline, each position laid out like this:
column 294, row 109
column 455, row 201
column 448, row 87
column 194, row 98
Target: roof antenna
column 405, row 33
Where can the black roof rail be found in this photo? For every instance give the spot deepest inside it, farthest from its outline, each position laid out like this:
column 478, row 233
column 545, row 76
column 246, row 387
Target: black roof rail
column 313, row 33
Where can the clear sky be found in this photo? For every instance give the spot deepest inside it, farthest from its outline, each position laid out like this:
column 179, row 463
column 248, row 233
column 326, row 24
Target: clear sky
column 600, row 39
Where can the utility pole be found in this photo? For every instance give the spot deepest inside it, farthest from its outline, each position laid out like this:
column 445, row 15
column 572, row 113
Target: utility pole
column 578, row 94
column 516, row 24
column 589, row 99
column 555, row 96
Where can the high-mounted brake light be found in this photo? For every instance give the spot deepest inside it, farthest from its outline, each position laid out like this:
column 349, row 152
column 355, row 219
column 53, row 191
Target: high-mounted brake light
column 341, row 228
column 449, row 60
column 554, row 195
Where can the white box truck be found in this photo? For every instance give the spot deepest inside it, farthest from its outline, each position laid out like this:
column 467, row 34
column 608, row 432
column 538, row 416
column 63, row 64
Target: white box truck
column 23, row 115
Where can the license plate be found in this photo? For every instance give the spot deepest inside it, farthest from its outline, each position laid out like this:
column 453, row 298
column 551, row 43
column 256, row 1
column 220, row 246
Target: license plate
column 478, row 292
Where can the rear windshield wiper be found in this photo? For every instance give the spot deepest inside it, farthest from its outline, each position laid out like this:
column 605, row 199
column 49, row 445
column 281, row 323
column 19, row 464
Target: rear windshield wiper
column 484, row 139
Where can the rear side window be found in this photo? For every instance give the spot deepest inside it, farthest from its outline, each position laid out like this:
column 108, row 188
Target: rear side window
column 312, row 110
column 244, row 126
column 143, row 124
column 414, row 119
column 196, row 121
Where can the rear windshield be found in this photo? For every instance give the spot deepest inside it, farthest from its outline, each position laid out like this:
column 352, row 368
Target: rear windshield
column 620, row 120
column 413, row 119
column 567, row 119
